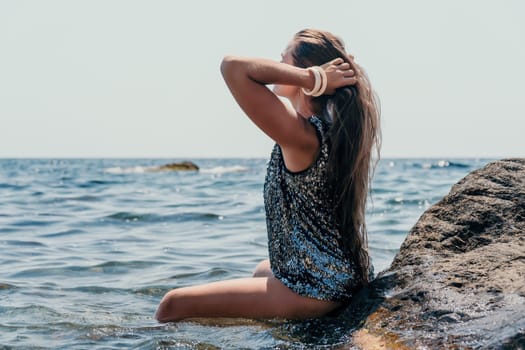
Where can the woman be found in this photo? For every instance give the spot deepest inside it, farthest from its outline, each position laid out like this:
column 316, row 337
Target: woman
column 315, row 189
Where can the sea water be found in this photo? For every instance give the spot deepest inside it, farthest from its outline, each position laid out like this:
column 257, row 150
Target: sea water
column 89, row 247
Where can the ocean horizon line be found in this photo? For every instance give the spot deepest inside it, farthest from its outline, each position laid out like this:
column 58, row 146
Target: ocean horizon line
column 183, row 158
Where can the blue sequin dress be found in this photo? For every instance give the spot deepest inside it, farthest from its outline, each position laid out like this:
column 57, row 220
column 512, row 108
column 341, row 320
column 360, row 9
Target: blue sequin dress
column 305, row 246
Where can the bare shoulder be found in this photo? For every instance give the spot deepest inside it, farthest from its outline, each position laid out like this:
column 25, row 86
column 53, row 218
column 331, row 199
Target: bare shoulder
column 298, row 156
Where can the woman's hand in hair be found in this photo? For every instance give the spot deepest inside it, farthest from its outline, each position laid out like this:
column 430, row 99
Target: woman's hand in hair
column 338, row 74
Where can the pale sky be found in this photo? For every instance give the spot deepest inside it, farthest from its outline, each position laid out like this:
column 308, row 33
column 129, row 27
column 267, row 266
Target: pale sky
column 104, row 78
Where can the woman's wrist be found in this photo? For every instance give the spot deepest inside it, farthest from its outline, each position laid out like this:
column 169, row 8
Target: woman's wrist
column 320, row 82
column 316, row 75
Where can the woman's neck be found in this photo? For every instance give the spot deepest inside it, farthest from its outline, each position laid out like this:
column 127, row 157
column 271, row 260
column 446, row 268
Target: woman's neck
column 301, row 104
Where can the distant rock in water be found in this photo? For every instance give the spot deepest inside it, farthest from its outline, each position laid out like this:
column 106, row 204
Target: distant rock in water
column 458, row 280
column 182, row 166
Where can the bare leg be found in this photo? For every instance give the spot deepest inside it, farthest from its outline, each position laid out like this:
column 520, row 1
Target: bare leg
column 263, row 269
column 261, row 297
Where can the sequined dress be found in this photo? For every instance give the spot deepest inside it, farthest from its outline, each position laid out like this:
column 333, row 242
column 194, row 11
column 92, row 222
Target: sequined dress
column 304, row 243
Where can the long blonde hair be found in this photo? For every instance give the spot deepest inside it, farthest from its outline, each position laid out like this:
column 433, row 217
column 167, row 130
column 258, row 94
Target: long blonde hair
column 353, row 114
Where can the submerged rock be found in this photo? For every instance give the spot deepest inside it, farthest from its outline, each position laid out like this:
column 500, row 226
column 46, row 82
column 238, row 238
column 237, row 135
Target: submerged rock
column 458, row 280
column 182, row 166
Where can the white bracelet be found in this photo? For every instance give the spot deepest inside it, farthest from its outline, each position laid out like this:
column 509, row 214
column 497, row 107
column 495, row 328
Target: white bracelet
column 317, row 84
column 324, row 82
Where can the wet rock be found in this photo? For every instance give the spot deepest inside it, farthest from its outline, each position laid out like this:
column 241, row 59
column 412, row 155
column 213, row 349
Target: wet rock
column 182, row 166
column 458, row 280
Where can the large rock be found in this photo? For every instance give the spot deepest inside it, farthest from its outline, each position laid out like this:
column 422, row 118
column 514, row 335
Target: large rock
column 182, row 166
column 458, row 280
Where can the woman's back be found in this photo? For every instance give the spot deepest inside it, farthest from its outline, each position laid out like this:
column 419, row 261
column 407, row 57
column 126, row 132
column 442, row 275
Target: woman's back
column 307, row 250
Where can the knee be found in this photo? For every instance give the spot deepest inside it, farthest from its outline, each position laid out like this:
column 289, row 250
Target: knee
column 169, row 308
column 263, row 269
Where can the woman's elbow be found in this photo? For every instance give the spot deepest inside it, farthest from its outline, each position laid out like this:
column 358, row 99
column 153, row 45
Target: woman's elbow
column 231, row 64
column 226, row 64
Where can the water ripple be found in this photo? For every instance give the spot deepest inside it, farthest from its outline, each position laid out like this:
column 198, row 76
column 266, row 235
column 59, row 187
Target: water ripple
column 7, row 286
column 153, row 218
column 24, row 243
column 110, row 267
column 35, row 223
column 64, row 233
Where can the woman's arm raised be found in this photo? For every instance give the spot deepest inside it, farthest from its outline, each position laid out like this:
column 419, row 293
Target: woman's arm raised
column 247, row 78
